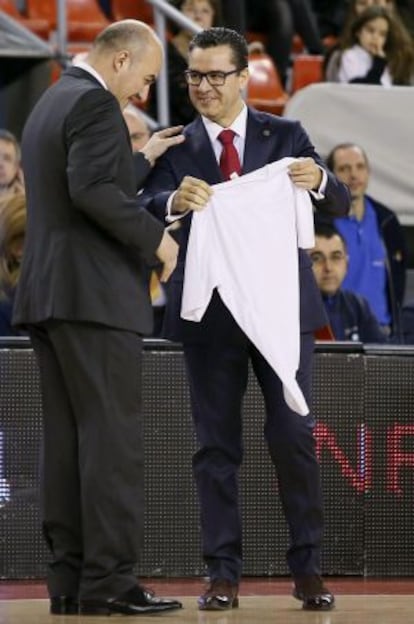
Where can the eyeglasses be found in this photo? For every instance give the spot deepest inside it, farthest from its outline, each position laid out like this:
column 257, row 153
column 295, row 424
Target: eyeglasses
column 335, row 257
column 214, row 78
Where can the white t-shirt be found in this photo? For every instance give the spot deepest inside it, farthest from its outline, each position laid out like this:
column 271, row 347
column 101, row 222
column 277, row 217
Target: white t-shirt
column 245, row 244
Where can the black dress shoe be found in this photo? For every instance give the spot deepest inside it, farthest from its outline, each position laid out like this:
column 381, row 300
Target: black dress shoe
column 313, row 594
column 135, row 601
column 64, row 605
column 220, row 595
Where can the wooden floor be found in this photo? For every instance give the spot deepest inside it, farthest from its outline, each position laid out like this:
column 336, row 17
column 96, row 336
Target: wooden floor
column 262, row 601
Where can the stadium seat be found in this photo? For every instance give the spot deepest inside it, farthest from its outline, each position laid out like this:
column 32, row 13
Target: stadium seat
column 137, row 9
column 39, row 27
column 307, row 69
column 85, row 19
column 264, row 89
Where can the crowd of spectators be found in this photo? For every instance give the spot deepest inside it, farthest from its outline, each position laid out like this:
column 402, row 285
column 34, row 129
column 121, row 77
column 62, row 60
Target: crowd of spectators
column 363, row 41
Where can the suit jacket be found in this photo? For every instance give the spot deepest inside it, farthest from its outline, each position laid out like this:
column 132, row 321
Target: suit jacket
column 268, row 138
column 87, row 235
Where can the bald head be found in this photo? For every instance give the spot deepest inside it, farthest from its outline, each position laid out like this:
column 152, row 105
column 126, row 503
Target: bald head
column 128, row 33
column 128, row 56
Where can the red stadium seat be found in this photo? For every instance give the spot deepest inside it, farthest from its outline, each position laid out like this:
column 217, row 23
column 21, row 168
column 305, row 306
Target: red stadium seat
column 39, row 27
column 324, row 333
column 307, row 69
column 84, row 17
column 137, row 9
column 264, row 89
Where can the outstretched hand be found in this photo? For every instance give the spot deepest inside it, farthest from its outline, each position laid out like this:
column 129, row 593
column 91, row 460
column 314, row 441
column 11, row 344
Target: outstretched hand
column 160, row 141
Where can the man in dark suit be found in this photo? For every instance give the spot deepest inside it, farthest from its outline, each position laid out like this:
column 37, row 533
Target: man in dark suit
column 83, row 298
column 216, row 351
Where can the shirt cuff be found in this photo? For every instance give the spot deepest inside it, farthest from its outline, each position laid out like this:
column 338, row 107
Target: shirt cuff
column 170, row 218
column 320, row 193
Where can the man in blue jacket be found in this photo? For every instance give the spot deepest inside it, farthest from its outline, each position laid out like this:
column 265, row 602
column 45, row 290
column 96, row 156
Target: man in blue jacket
column 350, row 315
column 374, row 238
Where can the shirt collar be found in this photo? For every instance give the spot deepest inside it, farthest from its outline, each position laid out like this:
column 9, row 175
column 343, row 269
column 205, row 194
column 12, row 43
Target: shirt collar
column 88, row 68
column 238, row 126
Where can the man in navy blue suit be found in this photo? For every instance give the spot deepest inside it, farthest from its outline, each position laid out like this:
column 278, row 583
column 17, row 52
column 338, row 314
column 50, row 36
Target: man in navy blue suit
column 217, row 352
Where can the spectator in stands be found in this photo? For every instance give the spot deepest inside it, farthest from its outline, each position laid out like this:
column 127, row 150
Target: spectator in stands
column 12, row 232
column 140, row 134
column 375, row 48
column 350, row 315
column 138, row 128
column 279, row 20
column 205, row 13
column 374, row 239
column 11, row 179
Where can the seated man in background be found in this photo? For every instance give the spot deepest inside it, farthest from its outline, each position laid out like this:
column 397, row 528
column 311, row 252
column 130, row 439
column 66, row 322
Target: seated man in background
column 349, row 314
column 377, row 256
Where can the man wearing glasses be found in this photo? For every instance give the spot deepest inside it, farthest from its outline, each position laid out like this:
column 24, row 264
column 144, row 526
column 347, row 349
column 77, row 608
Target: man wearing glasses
column 217, row 352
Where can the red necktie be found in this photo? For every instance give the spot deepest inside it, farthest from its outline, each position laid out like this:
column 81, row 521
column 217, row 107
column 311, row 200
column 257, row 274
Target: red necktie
column 229, row 159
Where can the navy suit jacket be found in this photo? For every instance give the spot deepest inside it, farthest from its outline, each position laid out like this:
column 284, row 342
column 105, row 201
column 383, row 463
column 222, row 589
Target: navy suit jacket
column 268, row 138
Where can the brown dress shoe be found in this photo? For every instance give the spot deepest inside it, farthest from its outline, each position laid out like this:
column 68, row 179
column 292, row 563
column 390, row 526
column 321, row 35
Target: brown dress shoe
column 220, row 595
column 313, row 594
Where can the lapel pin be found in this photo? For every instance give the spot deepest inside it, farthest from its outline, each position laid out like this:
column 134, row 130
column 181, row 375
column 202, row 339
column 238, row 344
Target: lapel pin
column 266, row 132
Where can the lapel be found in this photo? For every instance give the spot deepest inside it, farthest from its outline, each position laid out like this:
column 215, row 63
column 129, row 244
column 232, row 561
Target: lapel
column 259, row 143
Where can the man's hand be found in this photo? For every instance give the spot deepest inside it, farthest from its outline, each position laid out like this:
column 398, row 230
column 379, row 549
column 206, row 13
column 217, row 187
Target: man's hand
column 167, row 252
column 192, row 194
column 306, row 174
column 160, row 141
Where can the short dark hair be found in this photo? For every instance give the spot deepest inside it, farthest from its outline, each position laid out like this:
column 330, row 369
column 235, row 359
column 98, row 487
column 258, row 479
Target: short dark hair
column 327, row 229
column 220, row 36
column 330, row 159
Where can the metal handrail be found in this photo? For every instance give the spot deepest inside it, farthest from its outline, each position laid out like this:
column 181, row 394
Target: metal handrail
column 163, row 9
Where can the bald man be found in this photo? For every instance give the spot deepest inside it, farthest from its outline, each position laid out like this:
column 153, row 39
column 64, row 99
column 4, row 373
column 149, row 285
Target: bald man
column 84, row 302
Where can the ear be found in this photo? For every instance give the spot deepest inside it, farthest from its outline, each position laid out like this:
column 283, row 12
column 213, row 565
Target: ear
column 244, row 77
column 122, row 59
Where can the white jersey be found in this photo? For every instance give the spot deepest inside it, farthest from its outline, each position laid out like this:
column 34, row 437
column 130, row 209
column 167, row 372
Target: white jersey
column 245, row 244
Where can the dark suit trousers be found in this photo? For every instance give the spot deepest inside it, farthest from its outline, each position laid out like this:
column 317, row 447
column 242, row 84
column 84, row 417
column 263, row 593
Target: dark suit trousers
column 92, row 469
column 218, row 377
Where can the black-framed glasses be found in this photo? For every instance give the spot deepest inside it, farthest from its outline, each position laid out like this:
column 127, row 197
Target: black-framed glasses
column 214, row 78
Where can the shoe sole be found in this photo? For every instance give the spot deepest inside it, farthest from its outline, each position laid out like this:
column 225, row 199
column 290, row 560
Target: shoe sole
column 216, row 606
column 105, row 610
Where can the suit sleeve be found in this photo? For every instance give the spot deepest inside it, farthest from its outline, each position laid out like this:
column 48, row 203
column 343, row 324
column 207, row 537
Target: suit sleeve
column 94, row 154
column 161, row 182
column 337, row 200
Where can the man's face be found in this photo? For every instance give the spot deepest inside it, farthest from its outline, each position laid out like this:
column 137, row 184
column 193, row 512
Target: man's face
column 351, row 168
column 9, row 165
column 330, row 263
column 223, row 103
column 136, row 71
column 138, row 131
